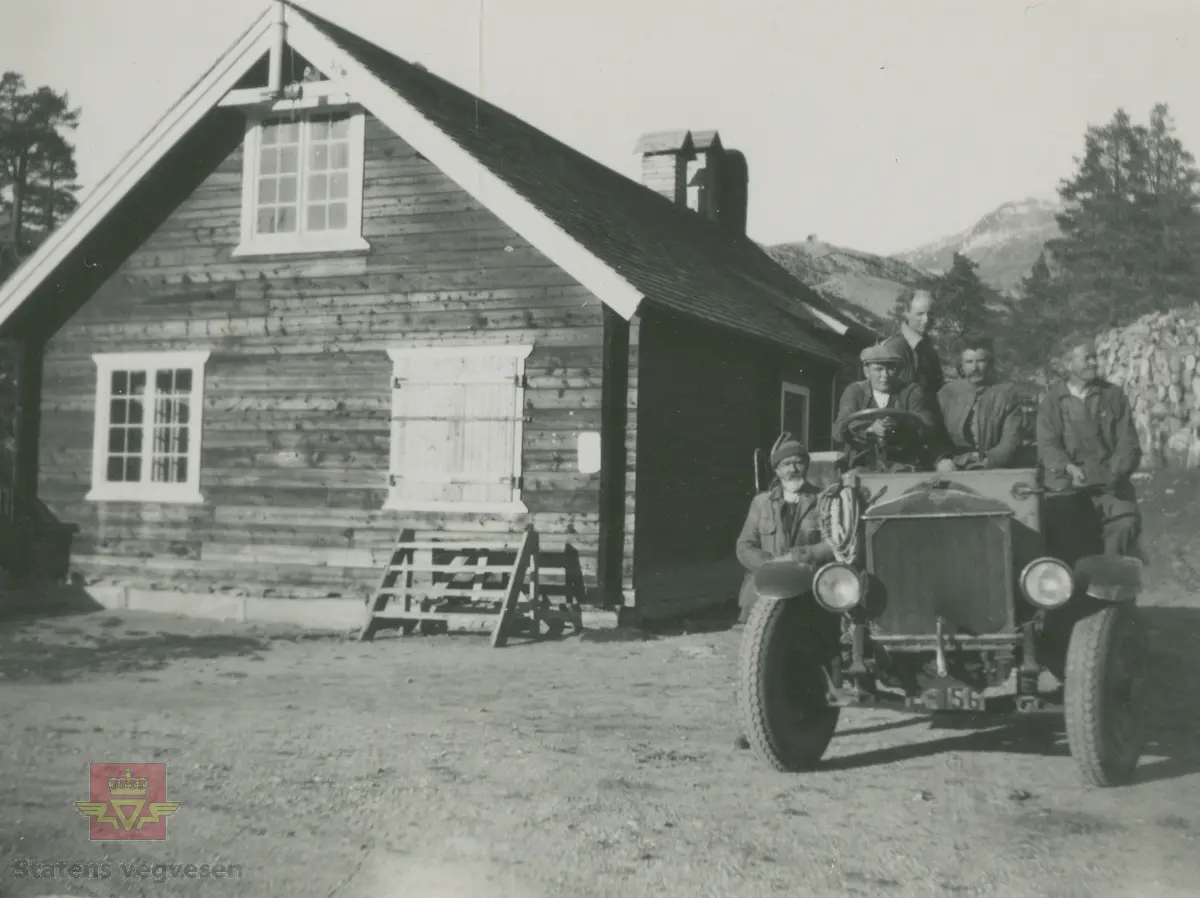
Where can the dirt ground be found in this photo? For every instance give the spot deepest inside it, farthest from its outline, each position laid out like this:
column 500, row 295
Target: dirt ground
column 600, row 765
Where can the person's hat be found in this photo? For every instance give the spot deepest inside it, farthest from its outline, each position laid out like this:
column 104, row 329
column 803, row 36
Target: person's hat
column 787, row 447
column 887, row 351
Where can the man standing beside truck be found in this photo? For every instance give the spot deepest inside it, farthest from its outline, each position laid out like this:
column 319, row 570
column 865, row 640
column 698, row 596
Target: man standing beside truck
column 1087, row 440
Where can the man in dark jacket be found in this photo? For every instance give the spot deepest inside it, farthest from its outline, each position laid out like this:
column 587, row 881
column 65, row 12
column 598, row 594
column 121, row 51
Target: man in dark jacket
column 782, row 522
column 984, row 418
column 1086, row 438
column 884, row 387
column 922, row 364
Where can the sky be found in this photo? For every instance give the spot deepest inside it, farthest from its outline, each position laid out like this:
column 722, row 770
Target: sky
column 875, row 124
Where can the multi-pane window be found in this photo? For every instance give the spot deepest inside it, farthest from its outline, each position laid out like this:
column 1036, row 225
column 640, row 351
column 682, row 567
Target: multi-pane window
column 148, row 426
column 303, row 183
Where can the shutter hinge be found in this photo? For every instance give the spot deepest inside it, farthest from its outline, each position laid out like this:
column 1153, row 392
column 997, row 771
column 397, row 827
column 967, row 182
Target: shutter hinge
column 518, row 482
column 520, row 381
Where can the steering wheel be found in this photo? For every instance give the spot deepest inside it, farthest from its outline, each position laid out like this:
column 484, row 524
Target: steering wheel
column 853, row 431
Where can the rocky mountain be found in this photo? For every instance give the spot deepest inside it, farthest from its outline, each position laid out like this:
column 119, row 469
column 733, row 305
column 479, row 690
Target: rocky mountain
column 862, row 284
column 1004, row 243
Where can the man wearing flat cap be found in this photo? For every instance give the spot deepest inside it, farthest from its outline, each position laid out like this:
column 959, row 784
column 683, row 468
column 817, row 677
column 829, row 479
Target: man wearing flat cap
column 783, row 521
column 884, row 387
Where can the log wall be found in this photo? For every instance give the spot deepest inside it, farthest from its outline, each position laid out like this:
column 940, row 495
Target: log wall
column 297, row 393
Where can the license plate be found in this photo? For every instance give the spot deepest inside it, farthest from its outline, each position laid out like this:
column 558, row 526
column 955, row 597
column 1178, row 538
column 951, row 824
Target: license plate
column 953, row 698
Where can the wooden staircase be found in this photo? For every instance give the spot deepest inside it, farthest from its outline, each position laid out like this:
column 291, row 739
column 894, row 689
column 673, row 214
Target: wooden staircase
column 433, row 584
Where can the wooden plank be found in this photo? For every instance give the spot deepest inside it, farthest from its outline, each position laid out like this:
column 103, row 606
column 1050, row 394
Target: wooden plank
column 508, row 609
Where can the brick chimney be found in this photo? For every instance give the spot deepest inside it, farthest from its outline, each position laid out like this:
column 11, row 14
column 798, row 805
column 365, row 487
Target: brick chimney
column 694, row 169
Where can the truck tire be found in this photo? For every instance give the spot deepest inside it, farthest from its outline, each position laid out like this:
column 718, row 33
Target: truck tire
column 1103, row 716
column 781, row 687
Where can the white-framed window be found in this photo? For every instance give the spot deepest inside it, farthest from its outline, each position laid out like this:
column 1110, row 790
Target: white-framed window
column 149, row 407
column 457, row 425
column 794, row 404
column 302, row 182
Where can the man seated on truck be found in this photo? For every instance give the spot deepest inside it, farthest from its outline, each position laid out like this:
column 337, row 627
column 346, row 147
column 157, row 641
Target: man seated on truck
column 884, row 386
column 984, row 416
column 783, row 523
column 1087, row 440
column 783, row 520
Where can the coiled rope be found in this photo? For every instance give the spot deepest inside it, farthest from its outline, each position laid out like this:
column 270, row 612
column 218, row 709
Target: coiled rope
column 838, row 515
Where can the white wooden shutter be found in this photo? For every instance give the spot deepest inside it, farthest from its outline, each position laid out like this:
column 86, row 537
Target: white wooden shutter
column 456, row 426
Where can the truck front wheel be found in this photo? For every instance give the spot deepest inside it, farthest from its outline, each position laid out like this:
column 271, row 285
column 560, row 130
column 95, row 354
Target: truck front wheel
column 1104, row 668
column 782, row 685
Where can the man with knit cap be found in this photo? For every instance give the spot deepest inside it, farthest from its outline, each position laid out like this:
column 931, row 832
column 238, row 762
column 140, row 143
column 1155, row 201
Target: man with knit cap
column 884, row 386
column 783, row 521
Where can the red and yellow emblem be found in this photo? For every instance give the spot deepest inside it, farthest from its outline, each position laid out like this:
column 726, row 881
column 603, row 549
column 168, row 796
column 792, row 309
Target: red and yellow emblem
column 128, row 802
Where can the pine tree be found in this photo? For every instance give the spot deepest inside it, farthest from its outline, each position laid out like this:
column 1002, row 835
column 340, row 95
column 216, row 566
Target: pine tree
column 1042, row 315
column 37, row 165
column 1130, row 224
column 962, row 303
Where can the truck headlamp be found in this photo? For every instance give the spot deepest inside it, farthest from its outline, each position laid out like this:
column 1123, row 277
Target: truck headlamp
column 838, row 587
column 1047, row 583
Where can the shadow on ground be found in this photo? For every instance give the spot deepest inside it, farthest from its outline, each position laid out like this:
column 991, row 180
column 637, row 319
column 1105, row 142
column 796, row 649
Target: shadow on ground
column 58, row 634
column 75, row 654
column 1170, row 698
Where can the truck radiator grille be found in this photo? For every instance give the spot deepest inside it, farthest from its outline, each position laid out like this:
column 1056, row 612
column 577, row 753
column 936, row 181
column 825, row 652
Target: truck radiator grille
column 956, row 568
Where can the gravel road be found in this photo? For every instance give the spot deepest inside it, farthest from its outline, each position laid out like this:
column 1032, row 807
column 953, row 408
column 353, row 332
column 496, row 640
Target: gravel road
column 595, row 766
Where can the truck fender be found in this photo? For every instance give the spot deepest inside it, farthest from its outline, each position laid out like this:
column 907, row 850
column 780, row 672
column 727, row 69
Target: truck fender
column 1109, row 578
column 783, row 579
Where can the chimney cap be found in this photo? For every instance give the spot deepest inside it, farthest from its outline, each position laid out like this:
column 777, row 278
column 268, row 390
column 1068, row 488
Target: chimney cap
column 664, row 142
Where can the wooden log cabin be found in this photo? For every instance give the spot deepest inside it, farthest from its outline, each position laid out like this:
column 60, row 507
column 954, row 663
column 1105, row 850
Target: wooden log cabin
column 331, row 295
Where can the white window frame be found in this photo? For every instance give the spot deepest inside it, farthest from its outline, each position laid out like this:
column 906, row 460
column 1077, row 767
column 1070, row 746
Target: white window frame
column 351, row 239
column 787, row 387
column 146, row 490
column 395, row 500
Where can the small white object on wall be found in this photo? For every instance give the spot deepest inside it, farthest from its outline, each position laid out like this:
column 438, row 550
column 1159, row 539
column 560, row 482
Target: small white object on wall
column 589, row 452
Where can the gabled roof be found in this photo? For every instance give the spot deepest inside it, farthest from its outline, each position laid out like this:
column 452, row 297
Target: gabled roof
column 623, row 241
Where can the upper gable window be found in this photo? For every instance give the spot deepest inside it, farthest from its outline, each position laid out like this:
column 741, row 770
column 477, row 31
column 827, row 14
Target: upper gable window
column 302, row 183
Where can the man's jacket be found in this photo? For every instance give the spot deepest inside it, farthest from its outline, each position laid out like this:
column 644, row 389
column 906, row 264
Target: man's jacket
column 922, row 364
column 911, row 397
column 998, row 421
column 1097, row 435
column 765, row 536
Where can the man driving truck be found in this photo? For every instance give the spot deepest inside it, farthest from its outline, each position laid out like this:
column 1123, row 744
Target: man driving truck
column 883, row 388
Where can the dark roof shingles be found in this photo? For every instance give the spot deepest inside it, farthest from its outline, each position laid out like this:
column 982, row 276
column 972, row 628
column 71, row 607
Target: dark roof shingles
column 676, row 258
